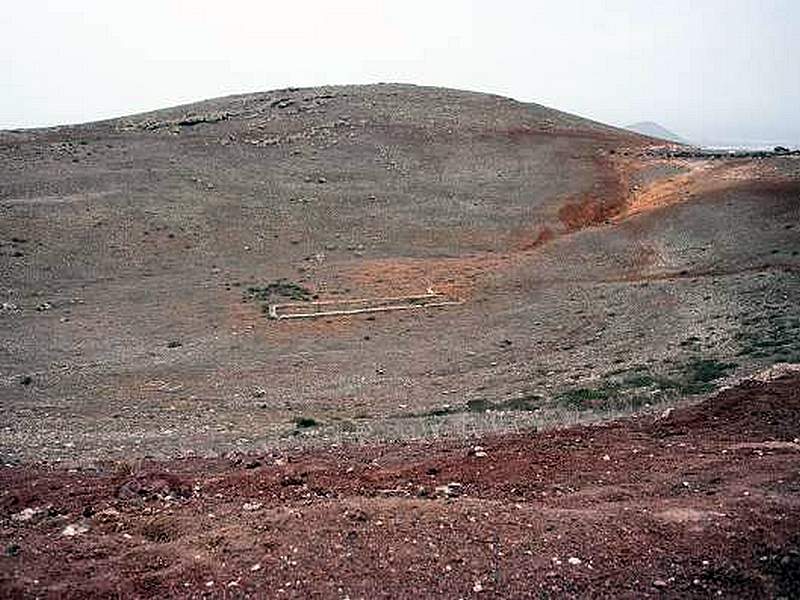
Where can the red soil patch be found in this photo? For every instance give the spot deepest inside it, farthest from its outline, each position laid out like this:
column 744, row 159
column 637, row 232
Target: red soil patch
column 602, row 203
column 527, row 242
column 703, row 177
column 456, row 277
column 588, row 211
column 613, row 198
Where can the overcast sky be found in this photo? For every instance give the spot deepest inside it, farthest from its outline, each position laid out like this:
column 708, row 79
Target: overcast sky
column 710, row 70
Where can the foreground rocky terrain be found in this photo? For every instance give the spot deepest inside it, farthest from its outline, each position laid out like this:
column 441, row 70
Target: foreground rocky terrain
column 148, row 400
column 699, row 502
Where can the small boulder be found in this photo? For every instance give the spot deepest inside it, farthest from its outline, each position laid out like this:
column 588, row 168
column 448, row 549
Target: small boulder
column 74, row 529
column 451, row 490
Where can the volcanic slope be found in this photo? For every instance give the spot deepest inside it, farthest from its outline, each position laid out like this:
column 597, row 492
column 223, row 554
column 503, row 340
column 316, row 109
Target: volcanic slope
column 596, row 277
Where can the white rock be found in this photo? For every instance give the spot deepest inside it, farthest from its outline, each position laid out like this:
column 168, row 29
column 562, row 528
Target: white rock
column 74, row 529
column 26, row 514
column 451, row 490
column 574, row 560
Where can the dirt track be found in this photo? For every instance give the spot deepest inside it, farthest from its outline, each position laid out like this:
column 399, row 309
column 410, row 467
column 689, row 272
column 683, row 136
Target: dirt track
column 702, row 502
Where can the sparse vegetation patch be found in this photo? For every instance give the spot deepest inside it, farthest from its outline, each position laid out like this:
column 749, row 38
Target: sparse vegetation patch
column 280, row 289
column 775, row 338
column 524, row 403
column 638, row 386
column 304, row 422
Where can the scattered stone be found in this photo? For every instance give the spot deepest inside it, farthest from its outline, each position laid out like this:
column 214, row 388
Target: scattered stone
column 574, row 561
column 659, row 583
column 26, row 380
column 191, row 120
column 26, row 514
column 393, row 492
column 251, row 506
column 174, row 344
column 255, row 567
column 451, row 490
column 776, row 371
column 148, row 486
column 478, row 452
column 292, row 480
column 357, row 515
column 13, row 550
column 74, row 529
column 322, row 180
column 44, row 306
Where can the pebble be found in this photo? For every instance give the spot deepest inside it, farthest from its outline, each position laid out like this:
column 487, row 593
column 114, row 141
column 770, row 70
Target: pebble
column 74, row 529
column 451, row 490
column 26, row 514
column 479, row 452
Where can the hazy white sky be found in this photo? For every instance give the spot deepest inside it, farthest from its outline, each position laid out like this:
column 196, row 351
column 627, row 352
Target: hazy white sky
column 711, row 70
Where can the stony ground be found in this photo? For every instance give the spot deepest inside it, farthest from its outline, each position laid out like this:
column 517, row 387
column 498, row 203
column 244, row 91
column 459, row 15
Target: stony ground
column 128, row 250
column 698, row 502
column 597, row 278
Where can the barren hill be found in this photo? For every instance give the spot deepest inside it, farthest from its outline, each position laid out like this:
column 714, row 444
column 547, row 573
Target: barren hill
column 654, row 130
column 129, row 247
column 588, row 277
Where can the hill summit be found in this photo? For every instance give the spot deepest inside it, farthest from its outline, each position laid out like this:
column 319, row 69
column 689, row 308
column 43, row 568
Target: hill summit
column 654, row 130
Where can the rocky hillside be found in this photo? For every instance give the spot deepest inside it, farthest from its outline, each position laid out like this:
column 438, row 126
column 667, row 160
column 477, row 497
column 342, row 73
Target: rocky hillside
column 138, row 256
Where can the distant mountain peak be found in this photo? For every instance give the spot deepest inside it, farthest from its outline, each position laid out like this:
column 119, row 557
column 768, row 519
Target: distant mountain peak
column 652, row 129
